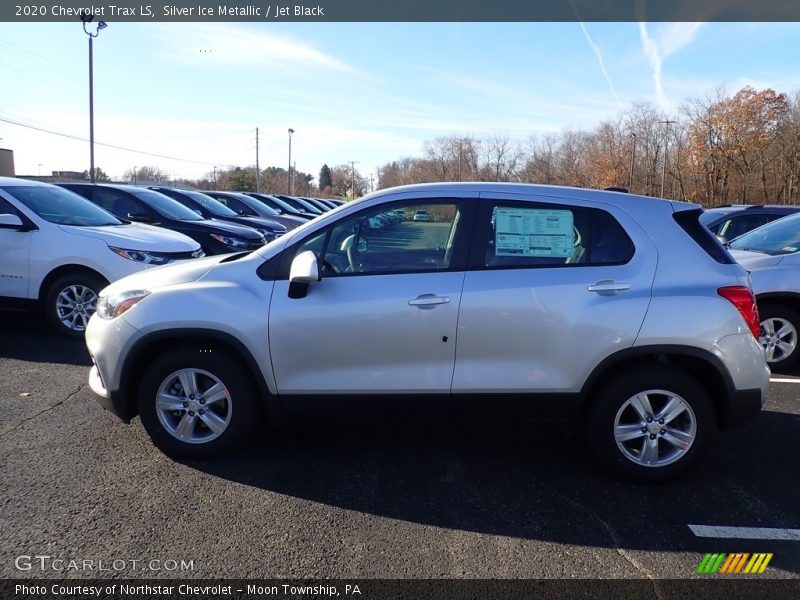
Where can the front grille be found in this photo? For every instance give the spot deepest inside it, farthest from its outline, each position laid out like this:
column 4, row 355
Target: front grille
column 180, row 255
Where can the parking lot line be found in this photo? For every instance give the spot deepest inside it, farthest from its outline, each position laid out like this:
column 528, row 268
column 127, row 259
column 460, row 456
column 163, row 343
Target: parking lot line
column 783, row 380
column 746, row 533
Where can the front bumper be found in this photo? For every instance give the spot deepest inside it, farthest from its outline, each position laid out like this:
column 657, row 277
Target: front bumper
column 116, row 403
column 108, row 342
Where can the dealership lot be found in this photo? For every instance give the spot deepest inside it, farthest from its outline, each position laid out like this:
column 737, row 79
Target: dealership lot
column 406, row 499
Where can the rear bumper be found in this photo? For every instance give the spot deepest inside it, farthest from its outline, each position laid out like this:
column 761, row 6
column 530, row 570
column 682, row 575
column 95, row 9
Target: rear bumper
column 743, row 406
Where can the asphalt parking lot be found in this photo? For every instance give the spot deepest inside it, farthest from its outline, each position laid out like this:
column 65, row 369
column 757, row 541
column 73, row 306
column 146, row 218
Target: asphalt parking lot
column 392, row 500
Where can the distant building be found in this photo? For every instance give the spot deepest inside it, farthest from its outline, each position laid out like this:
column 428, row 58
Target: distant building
column 58, row 176
column 6, row 162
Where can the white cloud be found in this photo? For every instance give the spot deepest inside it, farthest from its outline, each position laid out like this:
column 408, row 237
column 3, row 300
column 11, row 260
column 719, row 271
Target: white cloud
column 227, row 44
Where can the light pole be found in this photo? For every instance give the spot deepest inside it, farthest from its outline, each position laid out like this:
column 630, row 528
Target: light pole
column 289, row 181
column 666, row 144
column 87, row 18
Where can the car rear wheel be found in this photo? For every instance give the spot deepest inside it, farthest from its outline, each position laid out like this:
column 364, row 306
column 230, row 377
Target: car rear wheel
column 651, row 425
column 197, row 404
column 71, row 300
column 779, row 325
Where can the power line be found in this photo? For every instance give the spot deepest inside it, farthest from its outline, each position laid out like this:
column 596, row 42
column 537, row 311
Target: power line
column 114, row 146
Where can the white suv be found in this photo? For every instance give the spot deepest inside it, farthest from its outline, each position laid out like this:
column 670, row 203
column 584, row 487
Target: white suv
column 60, row 250
column 518, row 300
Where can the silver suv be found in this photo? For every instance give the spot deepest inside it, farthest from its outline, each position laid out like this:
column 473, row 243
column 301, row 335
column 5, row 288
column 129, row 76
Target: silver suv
column 617, row 314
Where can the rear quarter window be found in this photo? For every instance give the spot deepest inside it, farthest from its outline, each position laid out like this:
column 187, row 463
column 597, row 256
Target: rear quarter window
column 689, row 221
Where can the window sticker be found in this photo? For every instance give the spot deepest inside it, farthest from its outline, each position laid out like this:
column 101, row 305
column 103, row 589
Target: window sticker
column 533, row 232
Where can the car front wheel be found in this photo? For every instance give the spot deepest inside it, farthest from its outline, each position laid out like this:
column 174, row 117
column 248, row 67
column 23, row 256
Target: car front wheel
column 71, row 300
column 652, row 424
column 194, row 403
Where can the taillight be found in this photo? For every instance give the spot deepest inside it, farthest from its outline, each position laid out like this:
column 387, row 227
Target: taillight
column 742, row 298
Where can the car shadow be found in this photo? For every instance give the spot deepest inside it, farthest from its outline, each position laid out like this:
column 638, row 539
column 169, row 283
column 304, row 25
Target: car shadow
column 25, row 336
column 518, row 480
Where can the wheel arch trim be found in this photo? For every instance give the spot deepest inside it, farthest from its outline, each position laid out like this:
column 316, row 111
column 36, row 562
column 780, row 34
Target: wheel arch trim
column 184, row 337
column 613, row 361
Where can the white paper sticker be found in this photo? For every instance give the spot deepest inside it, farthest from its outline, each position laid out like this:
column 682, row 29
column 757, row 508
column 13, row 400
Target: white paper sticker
column 533, row 232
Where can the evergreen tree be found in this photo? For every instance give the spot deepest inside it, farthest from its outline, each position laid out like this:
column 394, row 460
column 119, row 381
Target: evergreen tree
column 325, row 181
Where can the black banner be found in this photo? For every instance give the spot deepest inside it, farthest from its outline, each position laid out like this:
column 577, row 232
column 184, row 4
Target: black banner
column 405, row 10
column 711, row 587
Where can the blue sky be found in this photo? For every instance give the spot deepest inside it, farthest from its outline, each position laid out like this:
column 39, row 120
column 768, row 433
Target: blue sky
column 369, row 92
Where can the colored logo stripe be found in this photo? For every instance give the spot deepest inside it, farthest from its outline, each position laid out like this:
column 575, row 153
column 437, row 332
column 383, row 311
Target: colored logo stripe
column 734, row 563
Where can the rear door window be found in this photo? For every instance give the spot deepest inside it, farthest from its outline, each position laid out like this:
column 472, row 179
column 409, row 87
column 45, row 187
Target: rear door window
column 532, row 234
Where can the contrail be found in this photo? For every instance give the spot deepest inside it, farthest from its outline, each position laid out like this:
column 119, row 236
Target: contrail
column 653, row 55
column 600, row 60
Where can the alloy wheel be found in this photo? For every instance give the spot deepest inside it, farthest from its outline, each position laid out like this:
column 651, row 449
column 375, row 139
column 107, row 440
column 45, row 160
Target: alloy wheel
column 655, row 428
column 193, row 406
column 779, row 338
column 75, row 304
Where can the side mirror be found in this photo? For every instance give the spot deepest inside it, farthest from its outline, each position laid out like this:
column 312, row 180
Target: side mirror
column 10, row 221
column 722, row 240
column 305, row 268
column 304, row 271
column 139, row 218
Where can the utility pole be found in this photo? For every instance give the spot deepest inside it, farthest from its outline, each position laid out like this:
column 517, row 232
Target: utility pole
column 215, row 177
column 460, row 142
column 258, row 172
column 633, row 160
column 371, row 183
column 666, row 142
column 289, row 180
column 134, row 175
column 353, row 164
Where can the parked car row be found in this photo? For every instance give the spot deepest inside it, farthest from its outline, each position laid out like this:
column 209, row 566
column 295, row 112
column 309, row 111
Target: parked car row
column 61, row 244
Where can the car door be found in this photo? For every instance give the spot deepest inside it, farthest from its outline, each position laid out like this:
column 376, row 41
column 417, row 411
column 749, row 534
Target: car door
column 551, row 289
column 382, row 319
column 15, row 255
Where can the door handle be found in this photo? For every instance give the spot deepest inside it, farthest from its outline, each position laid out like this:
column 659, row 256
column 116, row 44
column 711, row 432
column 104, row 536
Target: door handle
column 608, row 286
column 424, row 300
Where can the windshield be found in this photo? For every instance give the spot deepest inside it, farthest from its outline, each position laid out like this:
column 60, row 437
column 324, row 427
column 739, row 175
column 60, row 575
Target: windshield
column 210, row 204
column 779, row 237
column 264, row 208
column 61, row 206
column 166, row 206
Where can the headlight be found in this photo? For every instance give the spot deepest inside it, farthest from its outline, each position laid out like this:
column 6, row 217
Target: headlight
column 110, row 307
column 149, row 258
column 268, row 234
column 231, row 241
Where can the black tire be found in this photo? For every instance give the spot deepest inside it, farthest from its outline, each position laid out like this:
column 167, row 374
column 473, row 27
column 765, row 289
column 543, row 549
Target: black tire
column 51, row 310
column 242, row 403
column 781, row 311
column 613, row 393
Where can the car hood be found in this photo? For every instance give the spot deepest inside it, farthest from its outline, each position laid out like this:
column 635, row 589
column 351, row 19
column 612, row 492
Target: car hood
column 227, row 228
column 262, row 222
column 185, row 271
column 137, row 236
column 756, row 260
